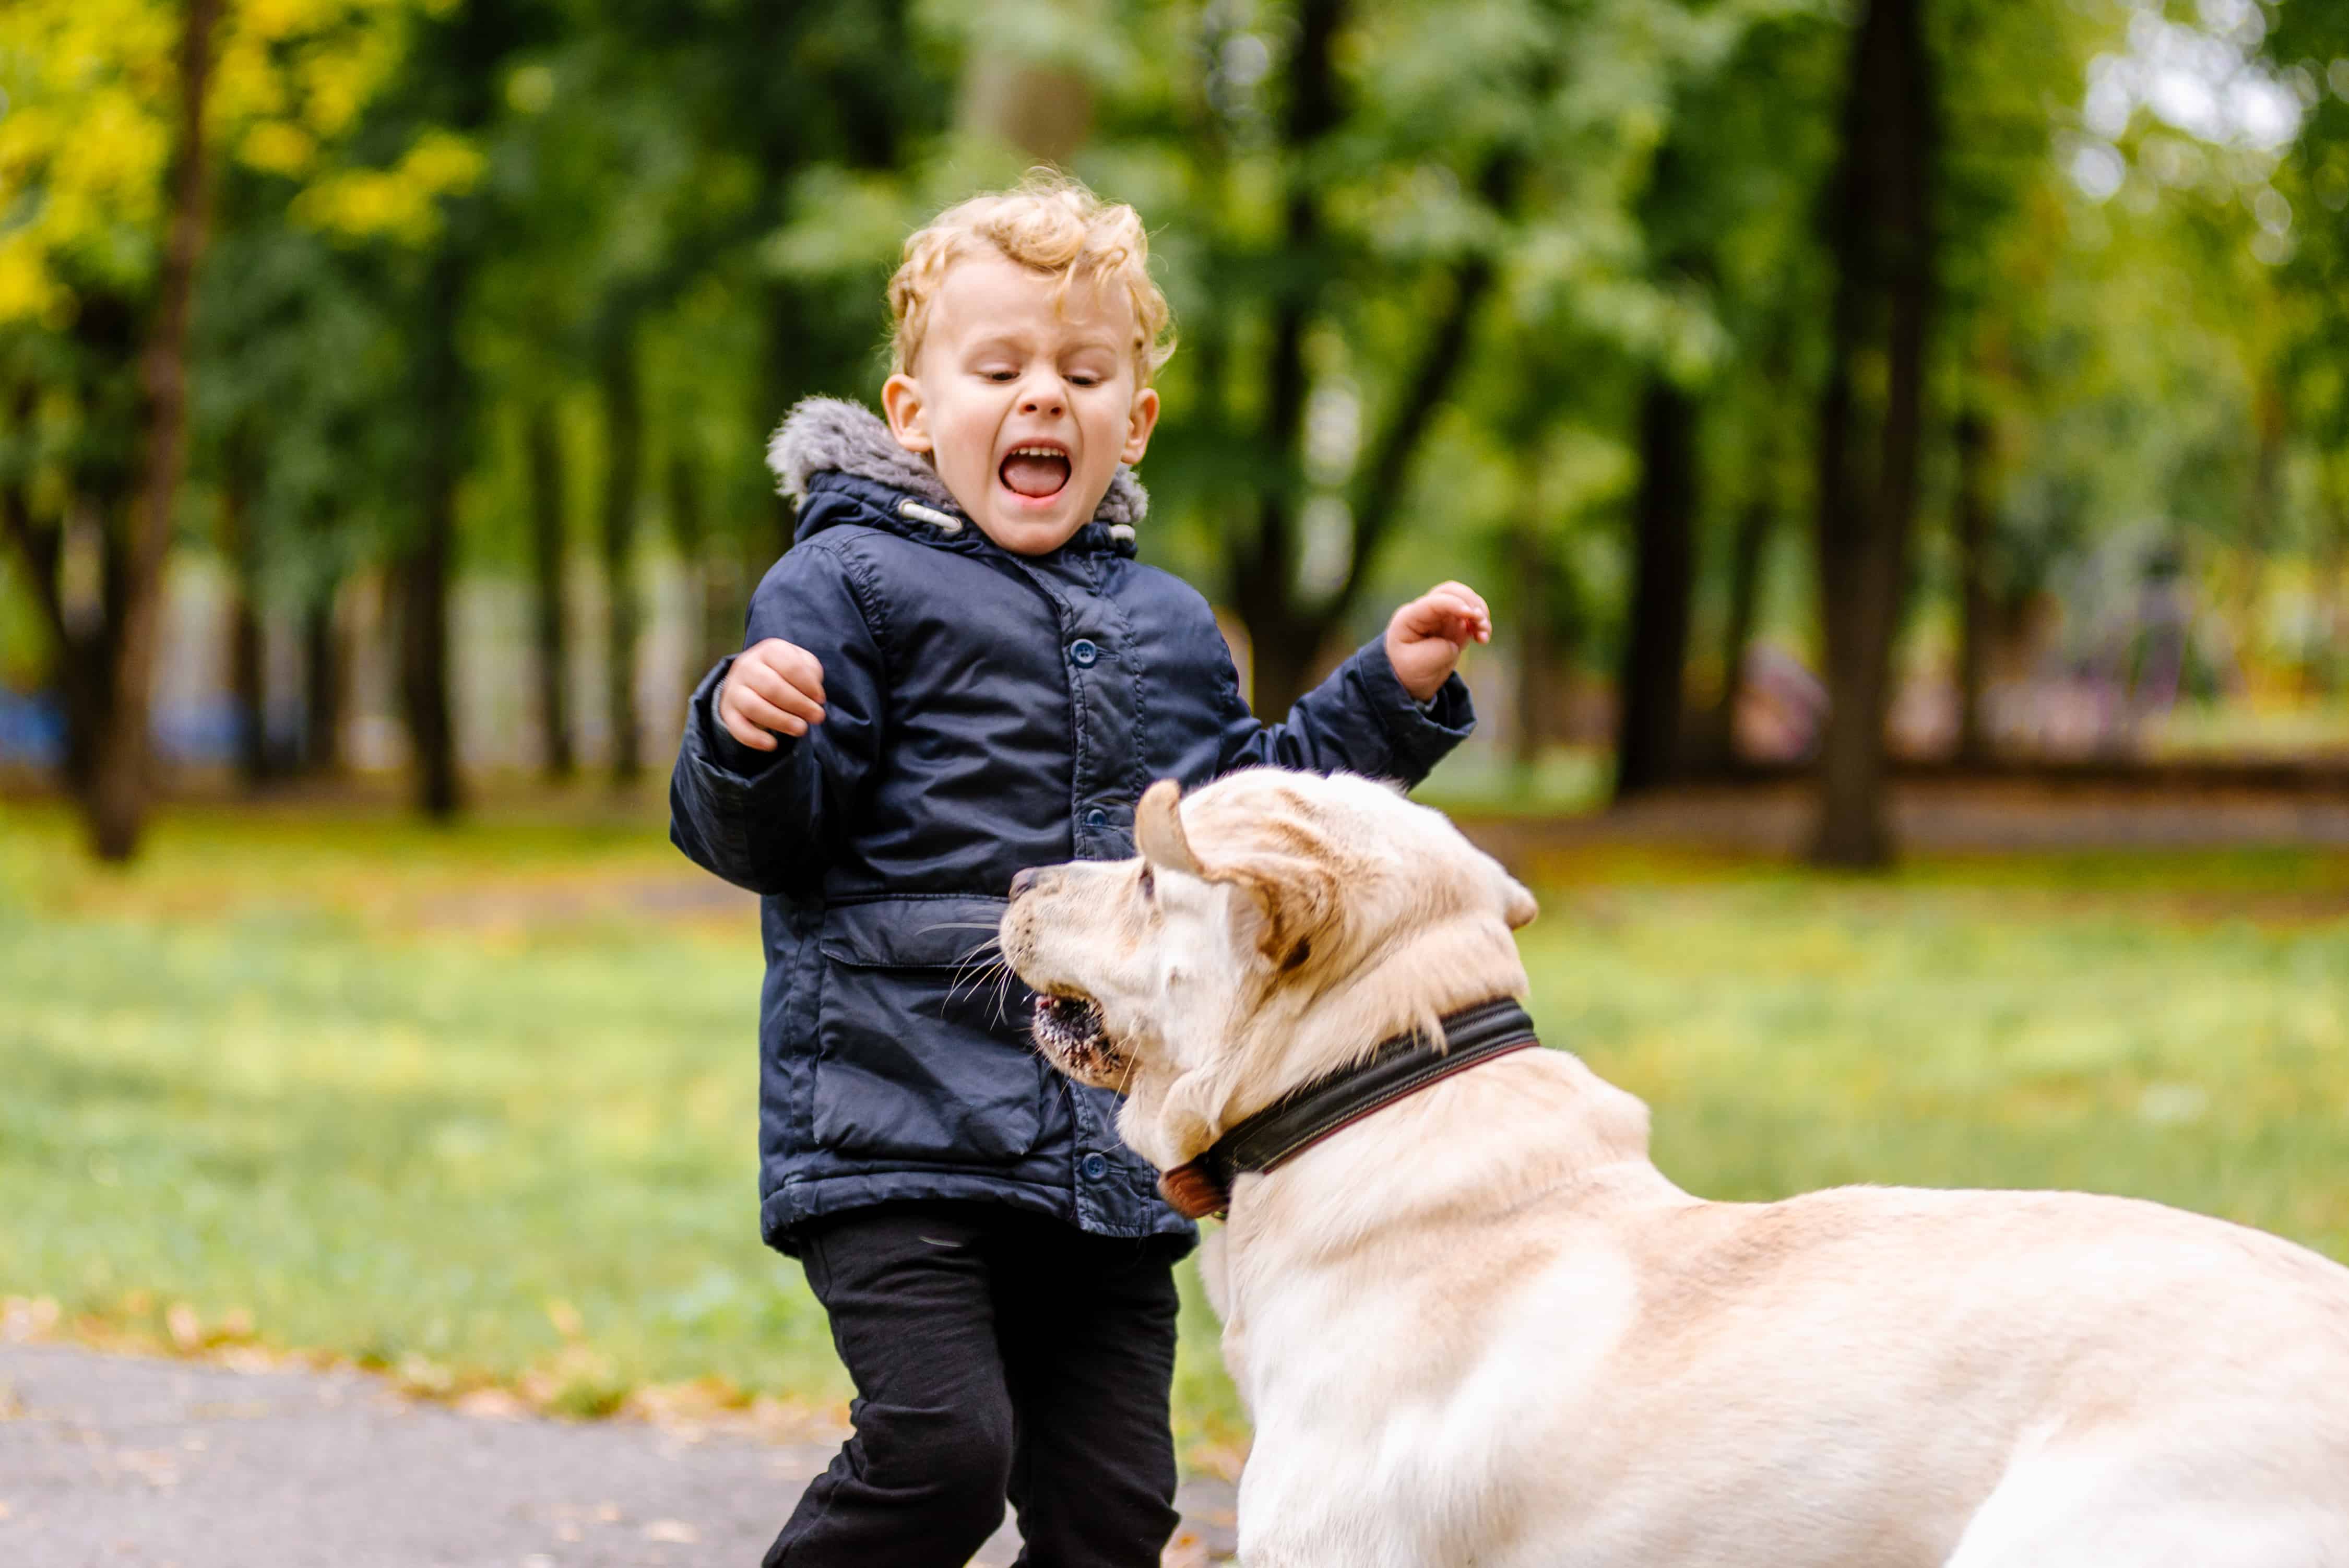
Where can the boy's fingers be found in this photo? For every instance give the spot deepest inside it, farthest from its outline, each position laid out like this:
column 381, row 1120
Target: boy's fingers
column 1457, row 613
column 1461, row 614
column 792, row 664
column 744, row 730
column 767, row 716
column 780, row 691
column 805, row 671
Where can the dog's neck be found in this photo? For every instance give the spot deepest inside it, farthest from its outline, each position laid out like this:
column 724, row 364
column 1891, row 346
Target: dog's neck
column 1574, row 1127
column 1404, row 986
column 1321, row 1025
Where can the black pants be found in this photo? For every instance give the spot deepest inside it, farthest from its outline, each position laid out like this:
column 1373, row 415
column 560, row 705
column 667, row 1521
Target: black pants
column 996, row 1354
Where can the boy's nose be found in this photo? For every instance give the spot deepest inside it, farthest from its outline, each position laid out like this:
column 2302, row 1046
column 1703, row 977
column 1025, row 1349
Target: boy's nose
column 1042, row 402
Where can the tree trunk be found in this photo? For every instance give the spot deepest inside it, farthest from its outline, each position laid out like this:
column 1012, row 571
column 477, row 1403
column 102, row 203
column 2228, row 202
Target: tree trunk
column 1284, row 640
column 1880, row 237
column 1977, row 610
column 1655, row 647
column 547, row 537
column 423, row 573
column 1286, row 634
column 119, row 783
column 2332, row 593
column 1748, row 549
column 241, row 549
column 719, row 619
column 321, row 688
column 786, row 330
column 1283, row 658
column 624, row 440
column 2264, row 519
column 1536, row 648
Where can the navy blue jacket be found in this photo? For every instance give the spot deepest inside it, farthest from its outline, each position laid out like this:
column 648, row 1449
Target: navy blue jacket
column 984, row 712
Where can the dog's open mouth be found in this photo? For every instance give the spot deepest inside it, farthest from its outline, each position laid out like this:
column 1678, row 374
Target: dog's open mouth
column 1070, row 1031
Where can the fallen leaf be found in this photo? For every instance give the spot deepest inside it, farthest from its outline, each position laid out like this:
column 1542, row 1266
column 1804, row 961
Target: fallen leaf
column 1185, row 1551
column 492, row 1404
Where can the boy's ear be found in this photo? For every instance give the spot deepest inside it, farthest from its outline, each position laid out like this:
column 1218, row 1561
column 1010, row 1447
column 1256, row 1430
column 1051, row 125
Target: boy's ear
column 1141, row 420
column 901, row 399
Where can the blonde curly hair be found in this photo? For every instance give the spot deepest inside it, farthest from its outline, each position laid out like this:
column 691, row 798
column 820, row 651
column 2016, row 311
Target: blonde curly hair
column 1052, row 224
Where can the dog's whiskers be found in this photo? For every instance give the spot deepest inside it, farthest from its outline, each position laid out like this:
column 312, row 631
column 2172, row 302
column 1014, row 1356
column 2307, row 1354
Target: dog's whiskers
column 970, row 985
column 963, row 966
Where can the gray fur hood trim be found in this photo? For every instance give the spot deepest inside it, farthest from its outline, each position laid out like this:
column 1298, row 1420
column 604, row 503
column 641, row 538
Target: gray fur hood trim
column 826, row 435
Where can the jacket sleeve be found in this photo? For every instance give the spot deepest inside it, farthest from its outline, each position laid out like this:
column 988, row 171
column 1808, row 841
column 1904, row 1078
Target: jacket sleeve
column 768, row 820
column 1360, row 720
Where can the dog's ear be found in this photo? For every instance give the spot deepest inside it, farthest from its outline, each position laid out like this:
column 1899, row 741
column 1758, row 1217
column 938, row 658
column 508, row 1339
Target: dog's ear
column 1298, row 900
column 1158, row 829
column 1518, row 905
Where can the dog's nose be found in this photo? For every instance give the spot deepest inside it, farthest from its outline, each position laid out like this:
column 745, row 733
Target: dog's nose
column 1023, row 881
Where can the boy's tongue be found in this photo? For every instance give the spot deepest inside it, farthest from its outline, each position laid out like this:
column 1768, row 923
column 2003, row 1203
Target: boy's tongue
column 1032, row 476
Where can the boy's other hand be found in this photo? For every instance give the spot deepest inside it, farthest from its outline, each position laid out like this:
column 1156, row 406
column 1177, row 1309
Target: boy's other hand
column 774, row 687
column 1426, row 637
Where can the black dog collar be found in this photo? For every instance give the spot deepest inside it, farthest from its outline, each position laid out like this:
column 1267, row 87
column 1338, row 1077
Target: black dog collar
column 1400, row 1066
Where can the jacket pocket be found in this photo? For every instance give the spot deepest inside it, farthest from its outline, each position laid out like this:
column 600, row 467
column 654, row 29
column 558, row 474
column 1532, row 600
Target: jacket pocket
column 919, row 1054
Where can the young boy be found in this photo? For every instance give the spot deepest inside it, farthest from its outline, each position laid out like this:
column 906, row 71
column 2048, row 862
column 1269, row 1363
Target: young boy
column 958, row 671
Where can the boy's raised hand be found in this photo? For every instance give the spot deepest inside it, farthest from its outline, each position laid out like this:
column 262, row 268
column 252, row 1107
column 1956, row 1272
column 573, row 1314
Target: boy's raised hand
column 774, row 688
column 1426, row 637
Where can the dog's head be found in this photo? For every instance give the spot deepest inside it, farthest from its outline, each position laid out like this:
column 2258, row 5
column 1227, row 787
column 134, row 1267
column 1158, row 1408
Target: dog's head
column 1275, row 926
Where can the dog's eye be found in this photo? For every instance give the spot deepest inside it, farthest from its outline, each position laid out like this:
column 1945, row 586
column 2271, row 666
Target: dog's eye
column 1149, row 883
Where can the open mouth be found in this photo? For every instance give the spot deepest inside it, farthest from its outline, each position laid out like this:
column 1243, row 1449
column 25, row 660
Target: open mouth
column 1037, row 472
column 1071, row 1030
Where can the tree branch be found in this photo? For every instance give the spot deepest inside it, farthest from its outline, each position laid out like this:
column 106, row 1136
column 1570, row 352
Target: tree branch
column 1380, row 495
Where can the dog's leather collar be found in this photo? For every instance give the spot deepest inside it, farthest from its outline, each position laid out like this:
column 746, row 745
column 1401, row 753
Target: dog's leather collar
column 1400, row 1066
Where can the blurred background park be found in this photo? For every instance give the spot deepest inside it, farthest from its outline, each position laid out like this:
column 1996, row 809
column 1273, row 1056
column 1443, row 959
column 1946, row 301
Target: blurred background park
column 1907, row 438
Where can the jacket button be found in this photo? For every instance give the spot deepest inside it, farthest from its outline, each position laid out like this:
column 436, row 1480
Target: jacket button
column 1097, row 818
column 1094, row 1166
column 1083, row 652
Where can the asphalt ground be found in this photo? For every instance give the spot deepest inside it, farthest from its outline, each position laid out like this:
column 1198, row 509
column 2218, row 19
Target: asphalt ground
column 123, row 1461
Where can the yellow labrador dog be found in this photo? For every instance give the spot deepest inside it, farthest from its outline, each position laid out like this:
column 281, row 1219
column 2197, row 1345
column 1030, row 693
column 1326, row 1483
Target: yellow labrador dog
column 1474, row 1325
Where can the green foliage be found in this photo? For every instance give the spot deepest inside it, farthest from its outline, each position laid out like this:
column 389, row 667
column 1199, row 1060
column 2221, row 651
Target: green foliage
column 1590, row 192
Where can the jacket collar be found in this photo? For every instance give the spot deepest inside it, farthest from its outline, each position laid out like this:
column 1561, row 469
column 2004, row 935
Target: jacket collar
column 823, row 436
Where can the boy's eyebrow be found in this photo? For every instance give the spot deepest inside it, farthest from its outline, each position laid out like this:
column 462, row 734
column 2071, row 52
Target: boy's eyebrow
column 995, row 340
column 1106, row 344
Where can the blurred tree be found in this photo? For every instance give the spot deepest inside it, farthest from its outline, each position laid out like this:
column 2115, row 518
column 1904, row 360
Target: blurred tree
column 551, row 621
column 1880, row 231
column 2309, row 49
column 1358, row 188
column 1664, row 583
column 448, row 92
column 2000, row 68
column 115, row 111
column 1653, row 682
column 133, row 496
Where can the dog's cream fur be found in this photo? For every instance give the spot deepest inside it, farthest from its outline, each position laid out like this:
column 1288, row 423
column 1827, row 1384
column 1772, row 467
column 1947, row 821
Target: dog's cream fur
column 1480, row 1327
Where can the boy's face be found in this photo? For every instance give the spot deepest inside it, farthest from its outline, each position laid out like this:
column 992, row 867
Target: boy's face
column 1025, row 410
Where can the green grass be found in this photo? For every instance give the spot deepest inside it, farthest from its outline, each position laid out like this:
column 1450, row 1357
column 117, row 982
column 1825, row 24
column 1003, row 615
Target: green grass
column 478, row 1107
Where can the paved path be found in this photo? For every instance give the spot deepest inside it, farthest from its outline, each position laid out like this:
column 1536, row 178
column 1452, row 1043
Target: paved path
column 118, row 1461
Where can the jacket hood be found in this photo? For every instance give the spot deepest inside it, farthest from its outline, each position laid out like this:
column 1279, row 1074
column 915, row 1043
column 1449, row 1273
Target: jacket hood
column 831, row 435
